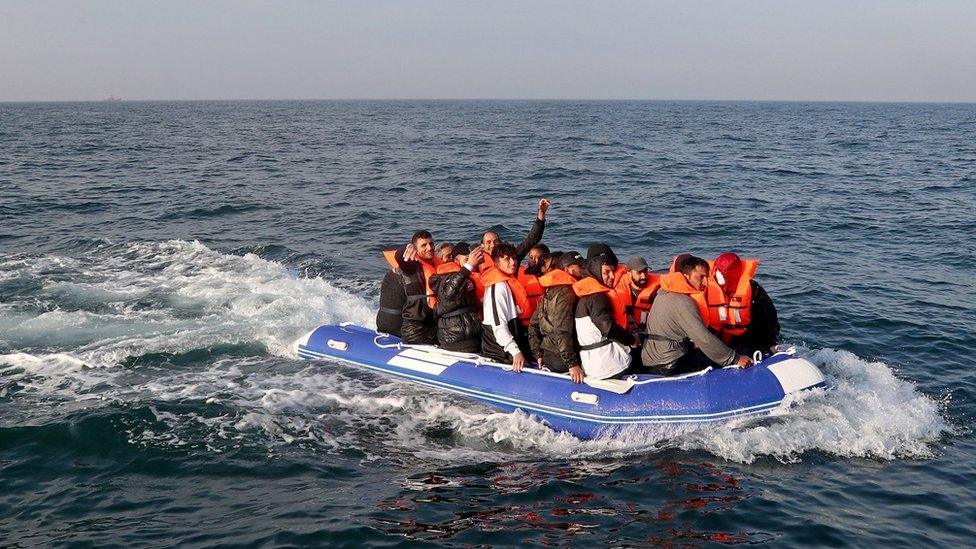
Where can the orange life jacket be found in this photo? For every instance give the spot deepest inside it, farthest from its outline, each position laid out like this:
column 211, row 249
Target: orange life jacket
column 453, row 267
column 618, row 301
column 494, row 276
column 641, row 304
column 729, row 314
column 533, row 289
column 429, row 268
column 487, row 263
column 556, row 277
column 677, row 283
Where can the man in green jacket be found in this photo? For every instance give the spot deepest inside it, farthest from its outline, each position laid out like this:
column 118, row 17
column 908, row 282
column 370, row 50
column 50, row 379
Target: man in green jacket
column 552, row 327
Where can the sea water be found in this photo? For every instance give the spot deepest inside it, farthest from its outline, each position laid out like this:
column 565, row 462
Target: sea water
column 157, row 260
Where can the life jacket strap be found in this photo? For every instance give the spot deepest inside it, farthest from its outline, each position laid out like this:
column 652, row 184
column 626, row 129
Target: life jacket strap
column 391, row 311
column 597, row 345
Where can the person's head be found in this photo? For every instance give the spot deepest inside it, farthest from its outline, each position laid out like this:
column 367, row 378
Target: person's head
column 728, row 270
column 549, row 262
column 461, row 252
column 678, row 261
column 489, row 239
column 423, row 242
column 637, row 267
column 572, row 263
column 695, row 269
column 536, row 253
column 601, row 249
column 601, row 263
column 504, row 257
column 602, row 268
column 445, row 251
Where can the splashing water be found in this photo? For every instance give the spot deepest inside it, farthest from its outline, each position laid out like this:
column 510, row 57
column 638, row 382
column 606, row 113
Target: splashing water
column 157, row 326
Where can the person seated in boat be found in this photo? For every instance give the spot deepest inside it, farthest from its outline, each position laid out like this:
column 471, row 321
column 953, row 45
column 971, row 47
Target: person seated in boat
column 743, row 313
column 458, row 311
column 506, row 312
column 489, row 239
column 528, row 274
column 407, row 289
column 552, row 329
column 642, row 285
column 534, row 260
column 445, row 252
column 601, row 318
column 676, row 322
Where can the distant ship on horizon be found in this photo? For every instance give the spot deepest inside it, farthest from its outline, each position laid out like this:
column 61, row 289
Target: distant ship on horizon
column 112, row 98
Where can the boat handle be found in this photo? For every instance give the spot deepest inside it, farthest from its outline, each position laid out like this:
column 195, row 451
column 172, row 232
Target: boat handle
column 338, row 344
column 586, row 398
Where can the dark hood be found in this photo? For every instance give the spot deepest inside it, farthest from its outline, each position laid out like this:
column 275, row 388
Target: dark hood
column 595, row 264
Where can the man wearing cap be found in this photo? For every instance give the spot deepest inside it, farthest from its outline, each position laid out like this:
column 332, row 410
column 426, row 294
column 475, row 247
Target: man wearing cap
column 743, row 314
column 458, row 287
column 552, row 328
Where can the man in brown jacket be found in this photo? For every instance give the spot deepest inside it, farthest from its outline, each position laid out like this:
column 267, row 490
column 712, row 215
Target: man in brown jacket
column 552, row 328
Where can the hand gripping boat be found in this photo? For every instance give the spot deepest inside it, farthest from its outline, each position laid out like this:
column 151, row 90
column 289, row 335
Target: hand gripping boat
column 590, row 410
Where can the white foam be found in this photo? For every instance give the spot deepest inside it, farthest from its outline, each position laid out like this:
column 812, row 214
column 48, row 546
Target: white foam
column 173, row 297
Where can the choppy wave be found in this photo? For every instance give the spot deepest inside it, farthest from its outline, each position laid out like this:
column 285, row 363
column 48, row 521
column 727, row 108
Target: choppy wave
column 200, row 340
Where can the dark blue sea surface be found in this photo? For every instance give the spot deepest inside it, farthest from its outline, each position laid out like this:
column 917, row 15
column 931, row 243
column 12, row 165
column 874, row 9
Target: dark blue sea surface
column 157, row 260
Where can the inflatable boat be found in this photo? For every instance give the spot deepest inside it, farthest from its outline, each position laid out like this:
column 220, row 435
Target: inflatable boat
column 593, row 409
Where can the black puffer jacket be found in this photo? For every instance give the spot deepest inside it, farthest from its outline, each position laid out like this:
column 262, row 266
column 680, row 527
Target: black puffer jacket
column 458, row 312
column 552, row 330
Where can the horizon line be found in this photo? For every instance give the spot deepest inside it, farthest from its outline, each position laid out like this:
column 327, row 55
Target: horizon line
column 500, row 99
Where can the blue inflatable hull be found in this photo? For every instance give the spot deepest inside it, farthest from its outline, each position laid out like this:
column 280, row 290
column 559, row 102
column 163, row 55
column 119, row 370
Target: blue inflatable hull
column 587, row 411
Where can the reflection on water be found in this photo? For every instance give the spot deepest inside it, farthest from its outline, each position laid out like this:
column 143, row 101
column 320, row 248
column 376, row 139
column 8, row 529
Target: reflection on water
column 559, row 504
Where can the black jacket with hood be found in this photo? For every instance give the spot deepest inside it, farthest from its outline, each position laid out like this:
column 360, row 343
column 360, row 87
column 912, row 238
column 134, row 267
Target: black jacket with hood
column 604, row 346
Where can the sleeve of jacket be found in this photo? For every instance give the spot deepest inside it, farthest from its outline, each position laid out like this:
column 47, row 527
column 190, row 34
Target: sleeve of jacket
column 535, row 333
column 765, row 327
column 408, row 267
column 602, row 316
column 564, row 324
column 531, row 239
column 691, row 324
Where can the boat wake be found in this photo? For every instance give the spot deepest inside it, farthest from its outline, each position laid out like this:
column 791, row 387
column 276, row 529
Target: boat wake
column 191, row 347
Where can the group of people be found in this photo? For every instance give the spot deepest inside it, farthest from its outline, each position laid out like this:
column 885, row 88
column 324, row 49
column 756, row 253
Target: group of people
column 587, row 316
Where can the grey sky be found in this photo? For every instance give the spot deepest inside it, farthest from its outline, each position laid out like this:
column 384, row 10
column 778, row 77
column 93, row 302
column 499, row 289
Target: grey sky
column 772, row 49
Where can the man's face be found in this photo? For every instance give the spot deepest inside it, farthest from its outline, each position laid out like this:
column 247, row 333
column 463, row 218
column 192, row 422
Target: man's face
column 506, row 264
column 697, row 277
column 638, row 278
column 446, row 254
column 461, row 259
column 425, row 248
column 575, row 271
column 488, row 241
column 607, row 272
column 534, row 255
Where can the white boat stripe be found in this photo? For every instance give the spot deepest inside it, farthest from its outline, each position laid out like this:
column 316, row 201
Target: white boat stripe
column 416, row 365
